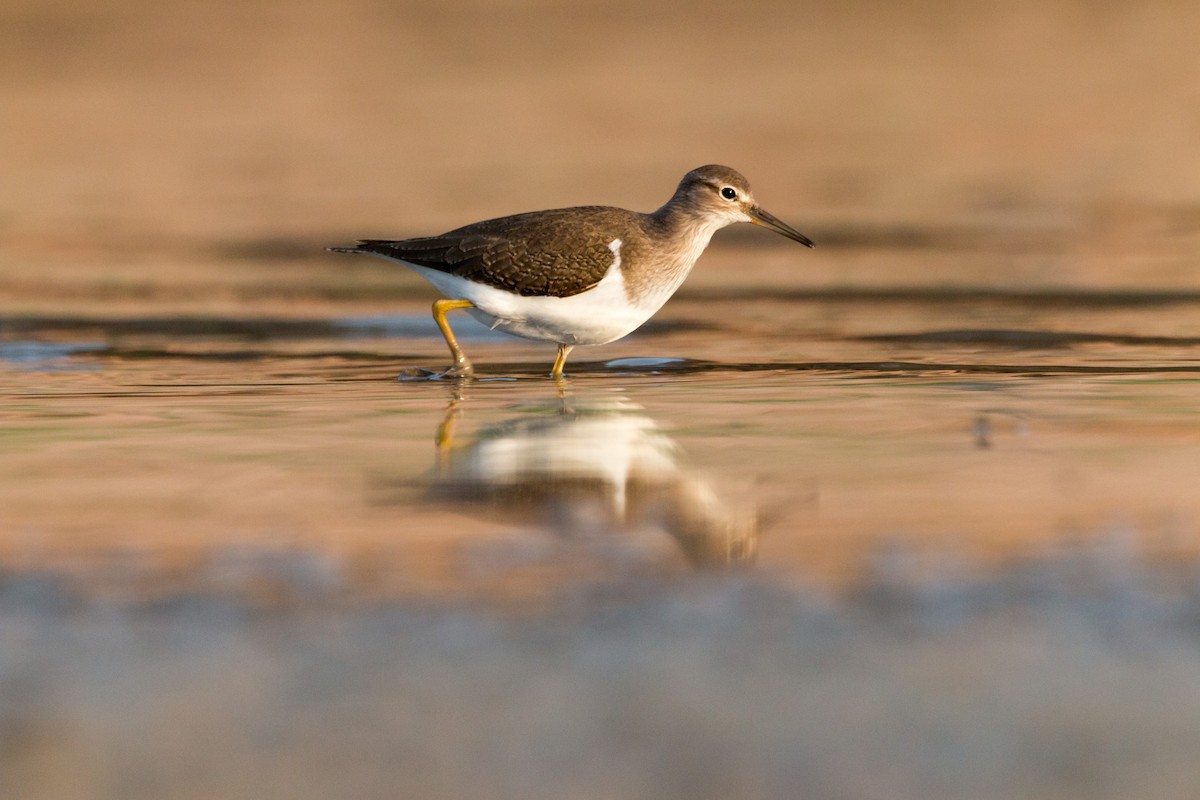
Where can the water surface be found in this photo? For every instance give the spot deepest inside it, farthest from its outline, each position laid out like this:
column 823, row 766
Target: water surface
column 749, row 548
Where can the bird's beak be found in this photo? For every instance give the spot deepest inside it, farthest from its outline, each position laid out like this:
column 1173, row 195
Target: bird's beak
column 769, row 221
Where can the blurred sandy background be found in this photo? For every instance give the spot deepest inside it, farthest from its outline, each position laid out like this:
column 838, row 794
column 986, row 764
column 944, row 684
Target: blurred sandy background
column 175, row 154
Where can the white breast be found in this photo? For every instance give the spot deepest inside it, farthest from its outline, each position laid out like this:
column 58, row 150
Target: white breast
column 602, row 314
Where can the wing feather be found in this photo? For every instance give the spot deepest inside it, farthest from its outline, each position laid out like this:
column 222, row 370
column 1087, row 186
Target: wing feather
column 558, row 253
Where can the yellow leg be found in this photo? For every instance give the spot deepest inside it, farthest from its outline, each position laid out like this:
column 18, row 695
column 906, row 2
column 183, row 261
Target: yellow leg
column 462, row 366
column 561, row 360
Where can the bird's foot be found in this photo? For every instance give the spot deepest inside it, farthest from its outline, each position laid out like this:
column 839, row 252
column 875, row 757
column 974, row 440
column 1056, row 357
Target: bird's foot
column 417, row 374
column 456, row 372
column 462, row 369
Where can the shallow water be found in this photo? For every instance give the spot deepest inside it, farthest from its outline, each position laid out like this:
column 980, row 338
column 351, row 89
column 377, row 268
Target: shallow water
column 800, row 447
column 734, row 554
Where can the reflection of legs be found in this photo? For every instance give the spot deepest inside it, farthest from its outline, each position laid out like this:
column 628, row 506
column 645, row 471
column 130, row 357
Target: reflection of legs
column 561, row 360
column 444, row 436
column 462, row 366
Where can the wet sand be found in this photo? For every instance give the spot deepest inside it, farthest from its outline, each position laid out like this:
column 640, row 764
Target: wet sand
column 910, row 515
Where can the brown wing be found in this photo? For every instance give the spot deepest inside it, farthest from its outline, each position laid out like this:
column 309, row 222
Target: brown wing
column 557, row 253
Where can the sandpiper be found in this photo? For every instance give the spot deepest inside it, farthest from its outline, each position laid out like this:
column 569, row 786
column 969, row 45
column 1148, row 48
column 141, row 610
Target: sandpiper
column 584, row 275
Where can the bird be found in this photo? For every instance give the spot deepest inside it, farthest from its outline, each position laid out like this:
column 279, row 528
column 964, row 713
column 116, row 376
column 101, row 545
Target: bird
column 584, row 275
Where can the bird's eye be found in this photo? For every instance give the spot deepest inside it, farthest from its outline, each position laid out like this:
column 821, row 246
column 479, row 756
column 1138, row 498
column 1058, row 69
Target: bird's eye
column 729, row 193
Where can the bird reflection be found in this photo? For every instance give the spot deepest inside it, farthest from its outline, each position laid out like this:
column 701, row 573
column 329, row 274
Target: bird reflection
column 592, row 467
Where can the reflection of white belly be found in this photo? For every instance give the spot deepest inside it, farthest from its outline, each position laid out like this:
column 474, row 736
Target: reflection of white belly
column 601, row 314
column 610, row 449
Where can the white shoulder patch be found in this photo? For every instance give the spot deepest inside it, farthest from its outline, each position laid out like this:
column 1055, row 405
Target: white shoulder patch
column 615, row 247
